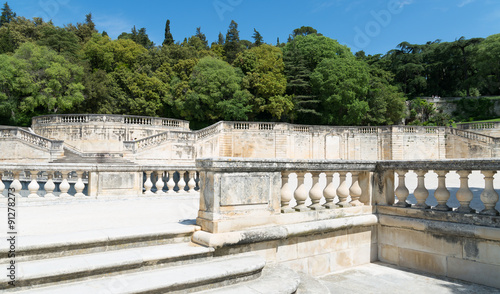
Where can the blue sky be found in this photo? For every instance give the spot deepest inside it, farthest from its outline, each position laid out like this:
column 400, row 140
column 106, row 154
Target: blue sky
column 375, row 26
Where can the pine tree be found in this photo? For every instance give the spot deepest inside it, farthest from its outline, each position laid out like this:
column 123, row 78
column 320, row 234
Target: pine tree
column 298, row 85
column 7, row 15
column 221, row 40
column 258, row 40
column 232, row 46
column 201, row 36
column 169, row 39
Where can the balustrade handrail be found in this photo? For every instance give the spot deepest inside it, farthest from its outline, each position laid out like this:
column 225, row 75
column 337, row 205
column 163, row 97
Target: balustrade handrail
column 92, row 167
column 126, row 119
column 154, row 140
column 479, row 125
column 28, row 137
column 473, row 135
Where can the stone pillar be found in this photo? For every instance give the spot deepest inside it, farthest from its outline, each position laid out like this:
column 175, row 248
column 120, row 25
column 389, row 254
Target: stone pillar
column 300, row 193
column 235, row 197
column 442, row 194
column 421, row 193
column 33, row 186
column 343, row 190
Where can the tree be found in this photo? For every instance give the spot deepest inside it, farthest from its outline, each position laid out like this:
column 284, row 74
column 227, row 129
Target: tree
column 232, row 45
column 39, row 81
column 139, row 36
column 84, row 31
column 169, row 39
column 304, row 31
column 216, row 93
column 258, row 40
column 7, row 15
column 221, row 40
column 315, row 48
column 298, row 85
column 59, row 40
column 264, row 77
column 342, row 86
column 201, row 36
column 488, row 63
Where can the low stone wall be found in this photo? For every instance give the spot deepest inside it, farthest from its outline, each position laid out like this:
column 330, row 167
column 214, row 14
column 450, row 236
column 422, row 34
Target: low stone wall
column 444, row 244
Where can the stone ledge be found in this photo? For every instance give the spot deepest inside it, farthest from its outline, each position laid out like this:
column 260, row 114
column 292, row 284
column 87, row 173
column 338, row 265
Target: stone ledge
column 440, row 227
column 98, row 238
column 443, row 216
column 281, row 232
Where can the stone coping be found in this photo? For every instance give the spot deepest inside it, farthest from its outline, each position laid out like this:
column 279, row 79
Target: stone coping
column 232, row 164
column 440, row 227
column 441, row 216
column 281, row 232
column 109, row 167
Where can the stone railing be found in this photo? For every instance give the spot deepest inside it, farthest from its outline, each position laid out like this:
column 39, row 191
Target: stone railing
column 479, row 126
column 488, row 197
column 58, row 181
column 209, row 131
column 156, row 140
column 33, row 139
column 256, row 191
column 124, row 119
column 474, row 136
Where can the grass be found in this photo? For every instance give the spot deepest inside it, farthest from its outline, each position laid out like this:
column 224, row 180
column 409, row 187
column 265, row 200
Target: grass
column 481, row 121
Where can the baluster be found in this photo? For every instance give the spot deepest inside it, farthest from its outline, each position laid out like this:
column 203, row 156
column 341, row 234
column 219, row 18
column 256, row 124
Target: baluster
column 181, row 184
column 191, row 182
column 489, row 196
column 355, row 190
column 64, row 186
column 148, row 184
column 316, row 193
column 464, row 194
column 79, row 185
column 16, row 184
column 401, row 191
column 421, row 192
column 159, row 183
column 2, row 185
column 33, row 186
column 50, row 186
column 171, row 183
column 300, row 193
column 442, row 194
column 343, row 191
column 330, row 192
column 286, row 194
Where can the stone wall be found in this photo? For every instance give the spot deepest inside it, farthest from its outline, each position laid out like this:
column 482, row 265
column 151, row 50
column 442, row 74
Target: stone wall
column 102, row 133
column 428, row 242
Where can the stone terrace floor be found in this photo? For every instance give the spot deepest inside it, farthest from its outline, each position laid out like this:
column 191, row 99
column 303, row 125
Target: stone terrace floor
column 384, row 278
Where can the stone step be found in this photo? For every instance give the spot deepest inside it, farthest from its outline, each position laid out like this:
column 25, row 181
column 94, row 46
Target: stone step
column 67, row 244
column 274, row 279
column 84, row 266
column 177, row 279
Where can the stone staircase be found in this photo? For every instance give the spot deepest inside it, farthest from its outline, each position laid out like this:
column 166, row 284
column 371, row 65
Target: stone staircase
column 71, row 156
column 157, row 259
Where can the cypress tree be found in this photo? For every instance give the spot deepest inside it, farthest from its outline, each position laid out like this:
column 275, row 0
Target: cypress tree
column 169, row 39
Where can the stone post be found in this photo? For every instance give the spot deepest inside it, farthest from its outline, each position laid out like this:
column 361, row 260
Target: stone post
column 236, row 195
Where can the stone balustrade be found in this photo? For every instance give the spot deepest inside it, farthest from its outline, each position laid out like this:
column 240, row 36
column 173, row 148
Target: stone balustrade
column 441, row 194
column 479, row 126
column 31, row 138
column 474, row 136
column 161, row 180
column 124, row 119
column 156, row 140
column 57, row 181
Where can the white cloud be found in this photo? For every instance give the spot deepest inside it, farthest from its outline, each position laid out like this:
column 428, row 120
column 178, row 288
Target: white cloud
column 321, row 5
column 465, row 2
column 114, row 25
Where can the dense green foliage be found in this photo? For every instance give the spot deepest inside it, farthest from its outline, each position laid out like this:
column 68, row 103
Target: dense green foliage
column 310, row 79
